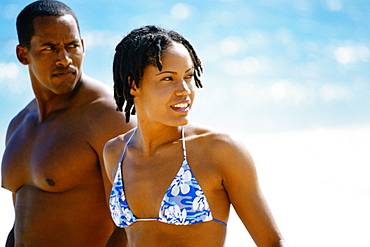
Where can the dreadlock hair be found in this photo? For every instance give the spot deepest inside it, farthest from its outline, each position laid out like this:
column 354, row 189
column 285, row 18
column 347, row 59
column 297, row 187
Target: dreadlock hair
column 25, row 29
column 140, row 48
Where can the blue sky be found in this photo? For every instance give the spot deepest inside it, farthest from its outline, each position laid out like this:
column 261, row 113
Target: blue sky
column 277, row 65
column 271, row 67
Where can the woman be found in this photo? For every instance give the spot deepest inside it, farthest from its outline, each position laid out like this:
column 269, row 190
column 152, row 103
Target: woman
column 173, row 181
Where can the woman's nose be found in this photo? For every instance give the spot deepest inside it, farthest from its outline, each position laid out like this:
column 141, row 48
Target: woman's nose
column 184, row 88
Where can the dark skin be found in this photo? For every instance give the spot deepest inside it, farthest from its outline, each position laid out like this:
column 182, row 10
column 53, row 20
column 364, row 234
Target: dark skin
column 221, row 164
column 53, row 160
column 10, row 239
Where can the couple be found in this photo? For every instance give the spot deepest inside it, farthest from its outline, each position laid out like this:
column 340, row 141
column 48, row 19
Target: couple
column 170, row 182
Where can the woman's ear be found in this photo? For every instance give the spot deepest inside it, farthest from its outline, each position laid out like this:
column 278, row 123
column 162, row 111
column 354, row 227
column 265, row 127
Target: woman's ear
column 134, row 89
column 22, row 54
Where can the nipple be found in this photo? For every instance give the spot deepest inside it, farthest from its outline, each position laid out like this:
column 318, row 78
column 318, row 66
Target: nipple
column 50, row 182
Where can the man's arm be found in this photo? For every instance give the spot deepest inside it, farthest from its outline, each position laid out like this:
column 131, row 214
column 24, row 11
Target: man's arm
column 10, row 240
column 118, row 238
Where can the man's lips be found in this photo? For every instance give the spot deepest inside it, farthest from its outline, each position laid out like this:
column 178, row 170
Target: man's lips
column 63, row 73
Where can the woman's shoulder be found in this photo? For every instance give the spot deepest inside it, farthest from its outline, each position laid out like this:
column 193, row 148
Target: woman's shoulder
column 120, row 139
column 113, row 151
column 211, row 137
column 224, row 150
column 115, row 145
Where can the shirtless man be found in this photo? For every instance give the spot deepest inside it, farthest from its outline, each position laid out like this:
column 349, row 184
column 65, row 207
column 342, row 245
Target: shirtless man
column 53, row 158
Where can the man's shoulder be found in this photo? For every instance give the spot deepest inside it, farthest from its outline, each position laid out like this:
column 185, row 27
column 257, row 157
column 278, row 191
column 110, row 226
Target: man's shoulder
column 30, row 110
column 101, row 106
column 96, row 87
column 96, row 93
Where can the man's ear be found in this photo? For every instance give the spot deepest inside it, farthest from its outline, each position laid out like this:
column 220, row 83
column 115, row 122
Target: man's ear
column 22, row 54
column 83, row 45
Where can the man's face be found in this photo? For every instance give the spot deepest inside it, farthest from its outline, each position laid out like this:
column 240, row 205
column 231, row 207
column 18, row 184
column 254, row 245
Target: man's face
column 55, row 55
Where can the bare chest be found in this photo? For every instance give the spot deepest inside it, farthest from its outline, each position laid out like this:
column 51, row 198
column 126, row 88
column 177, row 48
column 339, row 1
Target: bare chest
column 51, row 156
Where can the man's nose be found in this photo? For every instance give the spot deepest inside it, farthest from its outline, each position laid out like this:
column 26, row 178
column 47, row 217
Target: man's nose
column 63, row 58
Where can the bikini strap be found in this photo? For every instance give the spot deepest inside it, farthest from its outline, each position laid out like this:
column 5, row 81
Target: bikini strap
column 124, row 150
column 183, row 141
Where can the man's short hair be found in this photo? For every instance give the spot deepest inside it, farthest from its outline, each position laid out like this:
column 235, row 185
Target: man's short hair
column 25, row 28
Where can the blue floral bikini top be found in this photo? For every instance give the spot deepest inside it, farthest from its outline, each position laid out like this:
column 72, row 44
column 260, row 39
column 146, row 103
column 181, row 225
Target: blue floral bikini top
column 183, row 204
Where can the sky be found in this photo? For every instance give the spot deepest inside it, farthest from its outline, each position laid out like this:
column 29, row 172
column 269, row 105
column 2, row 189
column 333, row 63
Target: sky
column 291, row 78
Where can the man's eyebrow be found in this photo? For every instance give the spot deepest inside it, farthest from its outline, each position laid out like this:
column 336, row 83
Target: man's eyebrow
column 73, row 42
column 48, row 44
column 52, row 44
column 172, row 72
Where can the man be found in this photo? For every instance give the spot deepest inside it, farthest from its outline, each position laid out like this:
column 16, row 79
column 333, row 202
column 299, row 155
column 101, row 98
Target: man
column 53, row 158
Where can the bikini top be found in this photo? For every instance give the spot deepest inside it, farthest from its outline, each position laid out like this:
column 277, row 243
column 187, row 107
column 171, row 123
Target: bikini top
column 183, row 204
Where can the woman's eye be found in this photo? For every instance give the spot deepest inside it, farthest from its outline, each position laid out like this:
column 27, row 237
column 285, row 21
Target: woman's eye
column 167, row 79
column 189, row 76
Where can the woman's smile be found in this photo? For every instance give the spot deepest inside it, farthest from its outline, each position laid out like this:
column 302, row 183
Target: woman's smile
column 182, row 107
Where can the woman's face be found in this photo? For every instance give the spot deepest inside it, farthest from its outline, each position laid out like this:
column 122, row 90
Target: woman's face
column 166, row 96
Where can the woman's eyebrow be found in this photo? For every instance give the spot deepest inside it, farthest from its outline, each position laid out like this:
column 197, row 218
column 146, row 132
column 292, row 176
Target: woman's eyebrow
column 173, row 72
column 167, row 71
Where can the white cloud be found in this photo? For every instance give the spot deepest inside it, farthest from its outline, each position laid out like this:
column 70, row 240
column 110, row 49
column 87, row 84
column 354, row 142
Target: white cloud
column 363, row 53
column 228, row 47
column 8, row 70
column 226, row 18
column 329, row 92
column 288, row 92
column 303, row 5
column 351, row 54
column 231, row 46
column 138, row 21
column 99, row 38
column 334, row 5
column 14, row 78
column 258, row 39
column 251, row 92
column 291, row 93
column 276, row 91
column 210, row 53
column 284, row 36
column 285, row 90
column 248, row 65
column 180, row 11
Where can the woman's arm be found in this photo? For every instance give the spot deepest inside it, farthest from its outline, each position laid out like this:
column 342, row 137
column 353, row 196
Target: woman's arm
column 241, row 183
column 111, row 155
